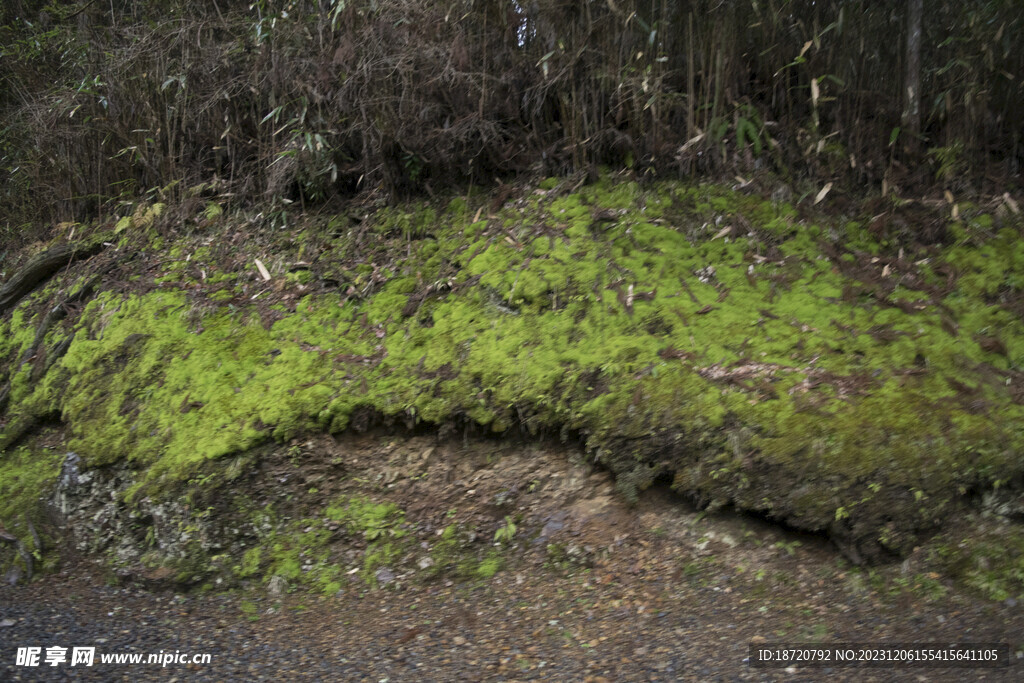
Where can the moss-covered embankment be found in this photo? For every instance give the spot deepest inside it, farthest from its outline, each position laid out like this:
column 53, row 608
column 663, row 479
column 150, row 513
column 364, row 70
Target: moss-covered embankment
column 817, row 374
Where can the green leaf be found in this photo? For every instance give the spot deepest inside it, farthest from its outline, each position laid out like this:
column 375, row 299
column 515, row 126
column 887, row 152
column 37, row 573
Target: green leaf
column 212, row 210
column 273, row 114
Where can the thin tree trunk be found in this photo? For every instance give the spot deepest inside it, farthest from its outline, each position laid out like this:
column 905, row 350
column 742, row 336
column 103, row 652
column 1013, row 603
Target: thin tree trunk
column 912, row 78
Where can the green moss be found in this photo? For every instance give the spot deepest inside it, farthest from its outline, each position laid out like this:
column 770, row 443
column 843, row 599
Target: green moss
column 489, row 566
column 250, row 609
column 16, row 334
column 251, row 561
column 298, row 552
column 989, row 563
column 458, row 209
column 453, row 555
column 371, row 520
column 299, row 277
column 744, row 365
column 27, row 475
column 303, row 551
column 445, row 551
column 222, row 295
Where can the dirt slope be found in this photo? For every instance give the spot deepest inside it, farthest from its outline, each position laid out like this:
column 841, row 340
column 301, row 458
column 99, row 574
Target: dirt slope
column 590, row 590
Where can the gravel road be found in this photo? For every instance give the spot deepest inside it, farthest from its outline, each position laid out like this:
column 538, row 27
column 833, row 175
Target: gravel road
column 602, row 627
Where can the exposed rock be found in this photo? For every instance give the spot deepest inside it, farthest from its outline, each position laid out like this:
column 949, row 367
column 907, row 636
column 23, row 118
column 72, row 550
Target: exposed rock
column 384, row 576
column 277, row 586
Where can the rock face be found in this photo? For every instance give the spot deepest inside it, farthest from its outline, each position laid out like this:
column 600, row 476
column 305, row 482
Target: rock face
column 149, row 540
column 694, row 336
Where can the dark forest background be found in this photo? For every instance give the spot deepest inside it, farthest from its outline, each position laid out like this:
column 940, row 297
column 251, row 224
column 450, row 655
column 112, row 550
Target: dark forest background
column 104, row 101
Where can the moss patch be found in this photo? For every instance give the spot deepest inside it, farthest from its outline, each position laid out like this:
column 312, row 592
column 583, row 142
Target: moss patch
column 989, row 561
column 27, row 476
column 305, row 552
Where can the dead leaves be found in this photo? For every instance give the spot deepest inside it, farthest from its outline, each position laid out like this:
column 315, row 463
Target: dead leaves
column 822, row 193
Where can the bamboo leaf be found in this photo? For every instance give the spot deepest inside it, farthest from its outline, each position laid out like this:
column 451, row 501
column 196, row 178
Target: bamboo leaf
column 824, row 191
column 272, row 115
column 722, row 233
column 262, row 268
column 1010, row 202
column 691, row 142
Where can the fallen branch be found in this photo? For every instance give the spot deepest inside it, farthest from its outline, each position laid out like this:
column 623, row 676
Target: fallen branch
column 41, row 268
column 56, row 314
